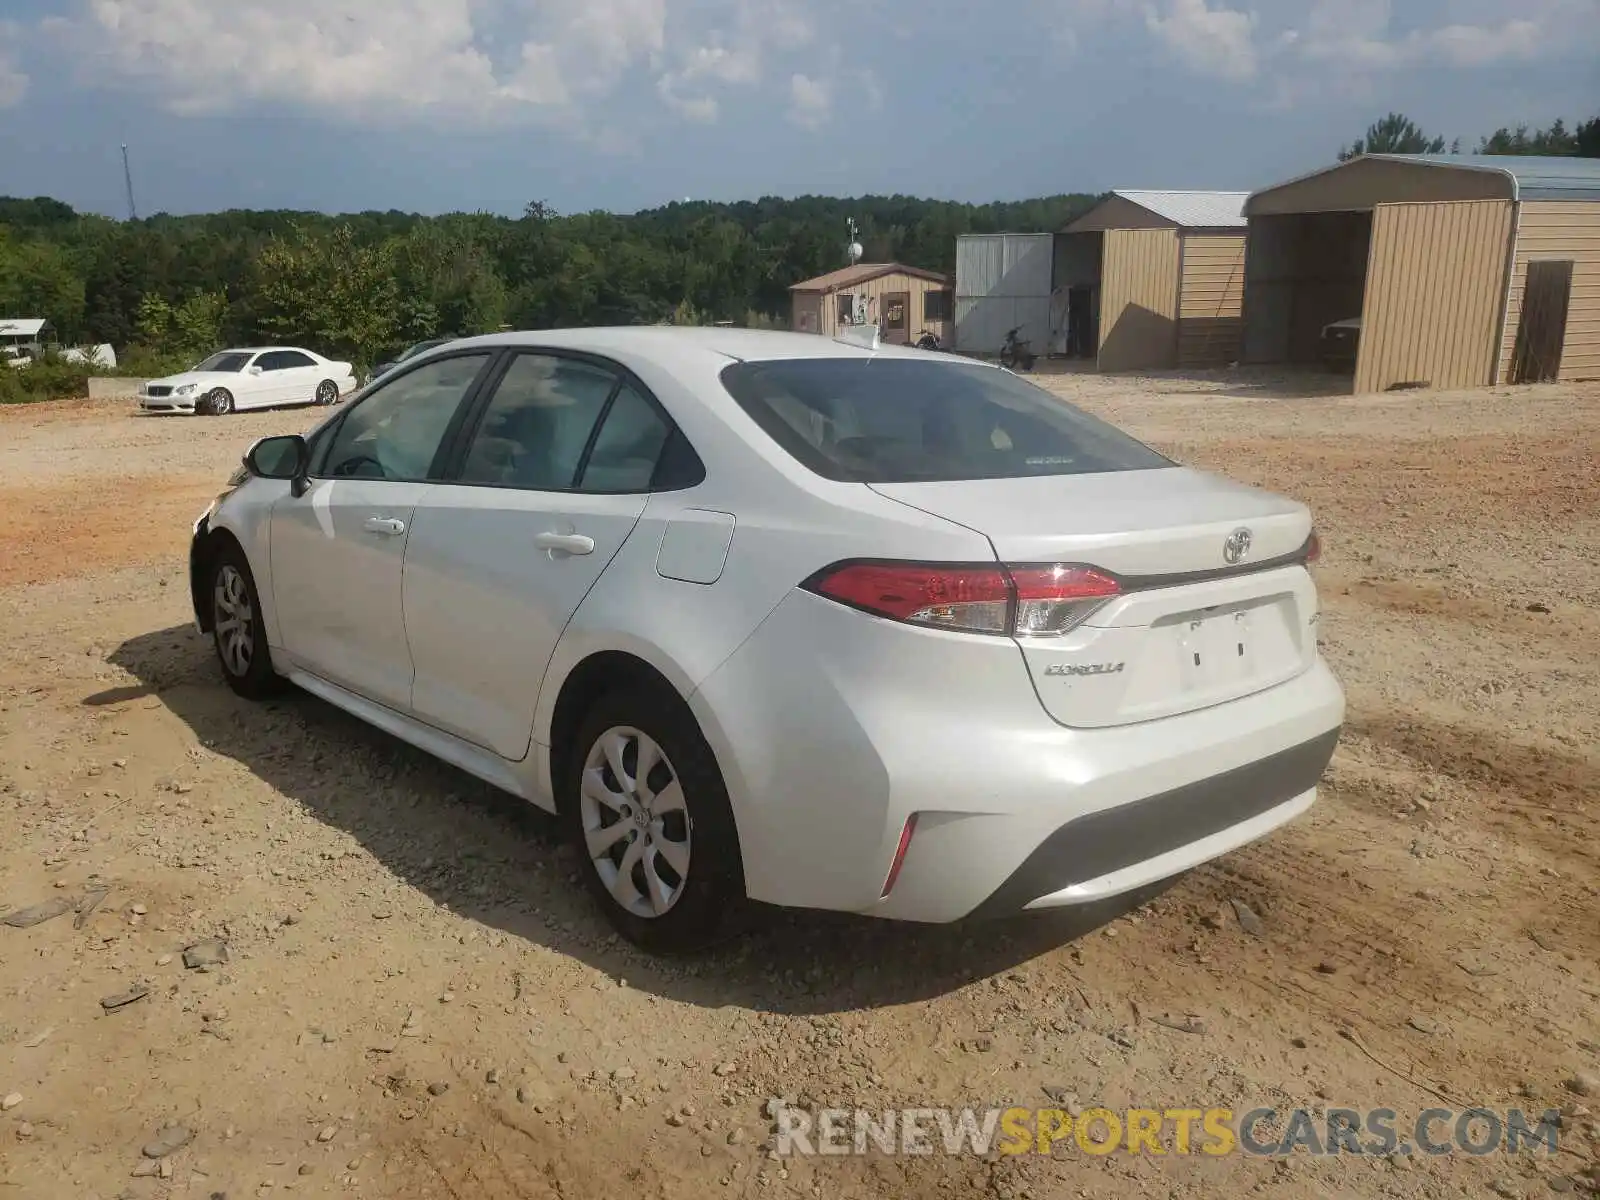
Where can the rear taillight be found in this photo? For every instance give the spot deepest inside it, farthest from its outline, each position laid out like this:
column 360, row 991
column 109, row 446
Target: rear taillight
column 1022, row 601
column 1054, row 600
column 1313, row 547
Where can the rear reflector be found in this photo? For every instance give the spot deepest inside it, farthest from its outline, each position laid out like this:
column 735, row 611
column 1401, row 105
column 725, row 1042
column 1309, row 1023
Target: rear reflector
column 1023, row 601
column 899, row 854
column 1313, row 547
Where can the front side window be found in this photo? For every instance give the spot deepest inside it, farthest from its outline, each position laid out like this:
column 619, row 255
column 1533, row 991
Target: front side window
column 902, row 420
column 395, row 431
column 537, row 423
column 229, row 362
column 271, row 361
column 288, row 359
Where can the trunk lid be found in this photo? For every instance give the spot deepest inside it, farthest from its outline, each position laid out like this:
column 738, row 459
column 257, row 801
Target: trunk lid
column 1197, row 623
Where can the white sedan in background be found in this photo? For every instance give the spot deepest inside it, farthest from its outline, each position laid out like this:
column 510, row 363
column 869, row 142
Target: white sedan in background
column 779, row 617
column 263, row 377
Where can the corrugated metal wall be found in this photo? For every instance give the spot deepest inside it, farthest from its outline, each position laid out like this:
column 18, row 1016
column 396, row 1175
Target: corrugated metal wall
column 980, row 263
column 1211, row 300
column 1435, row 292
column 1561, row 229
column 1003, row 280
column 1139, row 300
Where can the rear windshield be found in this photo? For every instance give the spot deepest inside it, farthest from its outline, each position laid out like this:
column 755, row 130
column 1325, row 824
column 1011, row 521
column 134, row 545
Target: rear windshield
column 901, row 420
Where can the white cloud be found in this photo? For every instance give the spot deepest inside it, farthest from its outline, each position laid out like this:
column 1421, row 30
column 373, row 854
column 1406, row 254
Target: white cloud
column 13, row 83
column 408, row 60
column 1345, row 47
column 1365, row 37
column 810, row 101
column 1212, row 41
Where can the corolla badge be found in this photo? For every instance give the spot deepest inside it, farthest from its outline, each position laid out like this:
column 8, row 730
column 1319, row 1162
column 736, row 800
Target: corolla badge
column 1088, row 669
column 1236, row 547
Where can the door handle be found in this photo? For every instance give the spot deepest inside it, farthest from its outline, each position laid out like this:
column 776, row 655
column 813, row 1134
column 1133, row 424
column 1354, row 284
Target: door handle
column 567, row 543
column 387, row 526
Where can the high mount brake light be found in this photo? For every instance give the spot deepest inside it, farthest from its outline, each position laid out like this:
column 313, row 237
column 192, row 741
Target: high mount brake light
column 1023, row 601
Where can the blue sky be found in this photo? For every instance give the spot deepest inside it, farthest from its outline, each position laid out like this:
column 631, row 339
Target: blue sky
column 438, row 105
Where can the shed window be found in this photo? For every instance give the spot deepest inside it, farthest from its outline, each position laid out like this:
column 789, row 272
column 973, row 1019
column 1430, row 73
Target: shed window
column 847, row 308
column 936, row 305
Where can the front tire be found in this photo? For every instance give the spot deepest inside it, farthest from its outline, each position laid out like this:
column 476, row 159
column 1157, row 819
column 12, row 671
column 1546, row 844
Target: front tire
column 219, row 402
column 646, row 807
column 237, row 630
column 327, row 393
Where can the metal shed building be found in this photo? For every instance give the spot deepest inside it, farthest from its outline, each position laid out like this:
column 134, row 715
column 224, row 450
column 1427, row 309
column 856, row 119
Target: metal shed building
column 1461, row 270
column 903, row 301
column 1154, row 279
column 1003, row 282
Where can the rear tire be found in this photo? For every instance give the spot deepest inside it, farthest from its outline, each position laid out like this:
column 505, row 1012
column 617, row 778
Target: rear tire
column 659, row 853
column 237, row 630
column 327, row 393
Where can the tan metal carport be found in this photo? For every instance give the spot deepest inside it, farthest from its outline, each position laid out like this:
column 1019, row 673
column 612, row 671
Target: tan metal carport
column 1458, row 270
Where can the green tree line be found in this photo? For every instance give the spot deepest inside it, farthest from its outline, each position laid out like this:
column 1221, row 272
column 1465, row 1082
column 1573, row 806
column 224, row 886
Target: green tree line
column 1398, row 134
column 358, row 285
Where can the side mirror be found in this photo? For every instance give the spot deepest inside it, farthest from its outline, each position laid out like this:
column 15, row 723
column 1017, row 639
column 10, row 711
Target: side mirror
column 255, row 370
column 284, row 457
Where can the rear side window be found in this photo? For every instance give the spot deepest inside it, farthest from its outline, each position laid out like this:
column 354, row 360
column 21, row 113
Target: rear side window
column 537, row 424
column 624, row 455
column 893, row 420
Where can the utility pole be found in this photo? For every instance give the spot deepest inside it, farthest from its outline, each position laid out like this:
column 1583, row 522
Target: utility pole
column 127, row 178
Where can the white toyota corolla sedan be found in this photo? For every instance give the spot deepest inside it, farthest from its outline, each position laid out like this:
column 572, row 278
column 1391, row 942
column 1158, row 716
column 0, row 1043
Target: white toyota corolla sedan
column 787, row 618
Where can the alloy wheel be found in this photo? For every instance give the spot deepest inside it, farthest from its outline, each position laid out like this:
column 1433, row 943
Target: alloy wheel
column 636, row 825
column 327, row 392
column 235, row 620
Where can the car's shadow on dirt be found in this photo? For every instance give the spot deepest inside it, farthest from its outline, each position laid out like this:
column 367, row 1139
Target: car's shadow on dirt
column 499, row 861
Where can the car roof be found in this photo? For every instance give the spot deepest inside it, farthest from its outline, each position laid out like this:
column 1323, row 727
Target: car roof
column 257, row 350
column 666, row 343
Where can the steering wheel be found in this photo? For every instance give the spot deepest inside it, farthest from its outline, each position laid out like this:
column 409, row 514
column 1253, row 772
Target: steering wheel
column 348, row 466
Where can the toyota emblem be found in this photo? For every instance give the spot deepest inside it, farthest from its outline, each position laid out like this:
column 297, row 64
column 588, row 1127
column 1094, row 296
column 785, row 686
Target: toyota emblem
column 1236, row 547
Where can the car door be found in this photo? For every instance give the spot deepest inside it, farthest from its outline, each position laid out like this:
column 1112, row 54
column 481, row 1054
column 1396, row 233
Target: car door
column 553, row 476
column 261, row 382
column 298, row 376
column 338, row 550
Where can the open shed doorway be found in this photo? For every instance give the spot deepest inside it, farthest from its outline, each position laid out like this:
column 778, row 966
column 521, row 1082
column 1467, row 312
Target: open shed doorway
column 1306, row 279
column 1078, row 266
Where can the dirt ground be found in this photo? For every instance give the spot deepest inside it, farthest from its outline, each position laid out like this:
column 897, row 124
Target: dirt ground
column 419, row 1001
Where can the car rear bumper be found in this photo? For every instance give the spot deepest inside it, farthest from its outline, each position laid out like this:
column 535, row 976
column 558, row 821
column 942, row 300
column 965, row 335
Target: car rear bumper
column 833, row 728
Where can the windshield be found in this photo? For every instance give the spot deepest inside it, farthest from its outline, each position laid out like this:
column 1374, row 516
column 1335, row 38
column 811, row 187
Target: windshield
column 892, row 420
column 229, row 360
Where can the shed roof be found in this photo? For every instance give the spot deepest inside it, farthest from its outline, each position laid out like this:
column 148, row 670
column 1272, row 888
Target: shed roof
column 861, row 273
column 1536, row 177
column 22, row 326
column 1152, row 209
column 1191, row 210
column 1531, row 177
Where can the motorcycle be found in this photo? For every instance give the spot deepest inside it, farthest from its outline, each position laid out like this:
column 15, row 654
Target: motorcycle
column 929, row 341
column 1015, row 355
